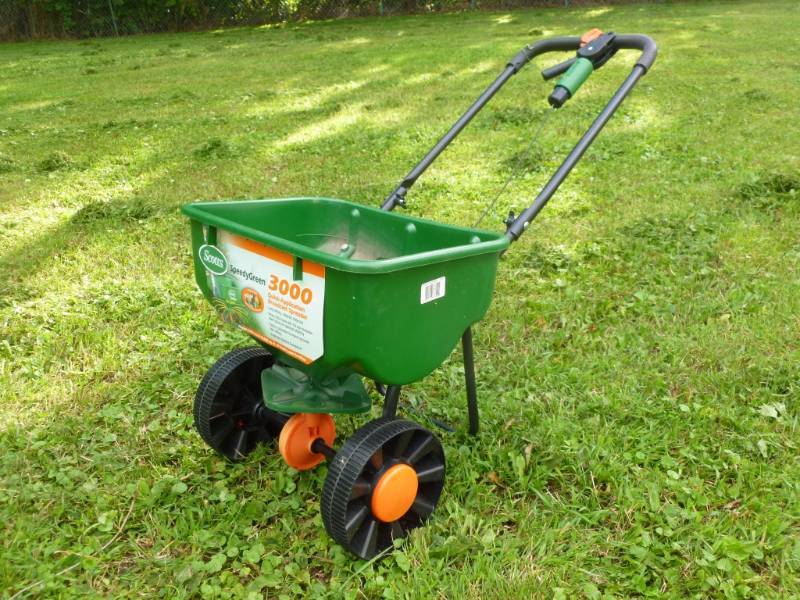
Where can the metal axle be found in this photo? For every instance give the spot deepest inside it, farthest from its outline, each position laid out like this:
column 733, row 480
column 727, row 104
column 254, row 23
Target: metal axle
column 319, row 446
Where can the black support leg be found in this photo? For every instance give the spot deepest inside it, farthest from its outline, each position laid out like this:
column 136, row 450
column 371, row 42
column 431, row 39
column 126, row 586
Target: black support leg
column 469, row 378
column 390, row 401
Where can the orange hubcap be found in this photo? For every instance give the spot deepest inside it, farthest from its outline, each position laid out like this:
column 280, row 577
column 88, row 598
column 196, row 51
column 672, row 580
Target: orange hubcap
column 300, row 431
column 394, row 493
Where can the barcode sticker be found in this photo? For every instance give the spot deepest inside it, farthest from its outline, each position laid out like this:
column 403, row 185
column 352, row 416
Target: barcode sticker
column 432, row 290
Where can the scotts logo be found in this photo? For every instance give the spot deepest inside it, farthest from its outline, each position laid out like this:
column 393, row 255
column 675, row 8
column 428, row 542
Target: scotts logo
column 213, row 259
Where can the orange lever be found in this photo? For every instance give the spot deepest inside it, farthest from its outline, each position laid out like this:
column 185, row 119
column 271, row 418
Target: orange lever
column 590, row 35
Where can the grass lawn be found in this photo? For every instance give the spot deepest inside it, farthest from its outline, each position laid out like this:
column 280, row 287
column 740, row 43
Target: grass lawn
column 638, row 369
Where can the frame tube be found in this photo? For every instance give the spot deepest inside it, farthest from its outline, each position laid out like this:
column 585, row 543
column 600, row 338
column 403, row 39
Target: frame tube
column 632, row 41
column 469, row 380
column 521, row 223
column 390, row 400
column 512, row 68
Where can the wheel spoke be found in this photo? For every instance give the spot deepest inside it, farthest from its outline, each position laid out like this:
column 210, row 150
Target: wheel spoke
column 421, row 446
column 422, row 507
column 384, row 536
column 242, row 412
column 240, row 447
column 222, row 433
column 434, row 472
column 397, row 530
column 361, row 487
column 249, row 397
column 377, row 459
column 232, row 388
column 368, row 538
column 410, row 521
column 218, row 407
column 254, row 368
column 399, row 444
column 355, row 517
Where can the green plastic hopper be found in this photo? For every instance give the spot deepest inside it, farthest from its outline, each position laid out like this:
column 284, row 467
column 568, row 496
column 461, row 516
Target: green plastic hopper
column 399, row 291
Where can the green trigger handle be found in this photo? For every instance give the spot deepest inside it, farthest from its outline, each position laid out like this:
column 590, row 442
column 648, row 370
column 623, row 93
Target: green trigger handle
column 595, row 50
column 571, row 81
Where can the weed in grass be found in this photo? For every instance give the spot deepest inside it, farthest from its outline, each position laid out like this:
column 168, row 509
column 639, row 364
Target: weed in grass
column 528, row 160
column 56, row 161
column 770, row 191
column 135, row 209
column 182, row 96
column 7, row 163
column 548, row 260
column 214, row 148
column 679, row 237
column 127, row 124
column 757, row 96
column 515, row 116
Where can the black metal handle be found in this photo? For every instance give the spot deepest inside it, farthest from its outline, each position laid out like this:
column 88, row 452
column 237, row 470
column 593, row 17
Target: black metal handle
column 558, row 69
column 623, row 42
column 555, row 44
column 523, row 57
column 637, row 41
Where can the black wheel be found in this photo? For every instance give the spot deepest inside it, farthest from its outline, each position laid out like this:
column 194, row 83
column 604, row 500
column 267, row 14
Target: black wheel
column 229, row 412
column 385, row 481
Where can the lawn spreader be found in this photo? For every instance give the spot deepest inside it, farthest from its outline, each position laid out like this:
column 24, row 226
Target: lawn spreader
column 336, row 293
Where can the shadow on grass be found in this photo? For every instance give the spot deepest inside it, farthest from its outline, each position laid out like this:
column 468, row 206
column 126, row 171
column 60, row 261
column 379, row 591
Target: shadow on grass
column 365, row 112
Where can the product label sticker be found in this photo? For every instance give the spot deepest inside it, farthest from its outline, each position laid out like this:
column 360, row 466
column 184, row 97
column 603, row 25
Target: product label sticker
column 265, row 293
column 432, row 290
